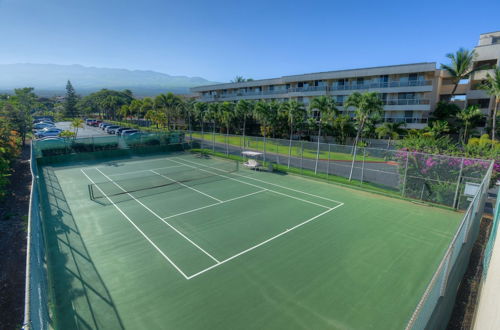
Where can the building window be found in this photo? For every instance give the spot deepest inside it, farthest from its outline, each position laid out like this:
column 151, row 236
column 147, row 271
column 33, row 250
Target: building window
column 360, row 81
column 495, row 40
column 300, row 84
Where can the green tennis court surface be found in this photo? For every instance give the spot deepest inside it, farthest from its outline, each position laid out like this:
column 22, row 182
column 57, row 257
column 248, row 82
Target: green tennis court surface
column 181, row 242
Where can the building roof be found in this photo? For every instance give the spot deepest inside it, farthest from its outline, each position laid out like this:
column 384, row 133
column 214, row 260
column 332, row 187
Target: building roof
column 347, row 73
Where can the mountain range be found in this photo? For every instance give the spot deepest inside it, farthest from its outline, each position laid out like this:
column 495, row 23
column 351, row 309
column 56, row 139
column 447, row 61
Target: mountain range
column 50, row 79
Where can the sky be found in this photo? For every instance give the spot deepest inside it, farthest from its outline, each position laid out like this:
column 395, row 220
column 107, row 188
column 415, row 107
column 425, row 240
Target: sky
column 219, row 40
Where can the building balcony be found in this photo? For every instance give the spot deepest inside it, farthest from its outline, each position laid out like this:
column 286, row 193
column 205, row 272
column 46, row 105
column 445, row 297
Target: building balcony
column 406, row 120
column 390, row 84
column 316, row 90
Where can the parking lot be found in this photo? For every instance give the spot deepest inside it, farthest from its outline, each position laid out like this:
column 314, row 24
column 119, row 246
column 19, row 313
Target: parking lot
column 86, row 131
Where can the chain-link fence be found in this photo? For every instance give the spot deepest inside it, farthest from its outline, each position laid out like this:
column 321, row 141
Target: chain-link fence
column 36, row 311
column 439, row 295
column 437, row 179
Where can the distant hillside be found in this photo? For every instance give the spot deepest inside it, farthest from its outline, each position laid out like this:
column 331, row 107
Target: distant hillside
column 50, row 79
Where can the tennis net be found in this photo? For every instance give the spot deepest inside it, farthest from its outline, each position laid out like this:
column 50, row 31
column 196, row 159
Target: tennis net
column 159, row 181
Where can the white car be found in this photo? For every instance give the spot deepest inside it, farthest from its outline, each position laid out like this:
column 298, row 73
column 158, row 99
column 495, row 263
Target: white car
column 51, row 131
column 129, row 132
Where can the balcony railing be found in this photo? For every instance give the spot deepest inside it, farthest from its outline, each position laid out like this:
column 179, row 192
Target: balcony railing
column 407, row 120
column 306, row 89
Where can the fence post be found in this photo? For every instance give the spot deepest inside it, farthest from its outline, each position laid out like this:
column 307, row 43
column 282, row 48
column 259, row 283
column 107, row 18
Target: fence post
column 202, row 136
column 363, row 165
column 93, row 143
column 227, row 145
column 317, row 158
column 264, row 148
column 213, row 138
column 328, row 163
column 455, row 198
column 277, row 153
column 289, row 151
column 406, row 171
column 301, row 155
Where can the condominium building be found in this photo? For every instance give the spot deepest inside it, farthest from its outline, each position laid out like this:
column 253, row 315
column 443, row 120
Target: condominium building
column 410, row 92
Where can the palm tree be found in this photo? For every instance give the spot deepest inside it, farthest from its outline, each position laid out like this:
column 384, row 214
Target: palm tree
column 343, row 125
column 147, row 104
column 263, row 113
column 461, row 66
column 390, row 131
column 226, row 116
column 368, row 106
column 244, row 109
column 76, row 124
column 200, row 111
column 238, row 79
column 212, row 115
column 325, row 106
column 467, row 116
column 170, row 104
column 492, row 87
column 438, row 128
column 295, row 113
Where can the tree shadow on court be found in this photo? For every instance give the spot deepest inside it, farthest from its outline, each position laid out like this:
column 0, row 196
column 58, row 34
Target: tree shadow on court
column 79, row 297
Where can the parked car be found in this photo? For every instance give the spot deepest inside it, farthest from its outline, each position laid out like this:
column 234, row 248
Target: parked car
column 104, row 125
column 110, row 127
column 121, row 129
column 53, row 131
column 129, row 132
column 96, row 123
column 112, row 130
column 42, row 125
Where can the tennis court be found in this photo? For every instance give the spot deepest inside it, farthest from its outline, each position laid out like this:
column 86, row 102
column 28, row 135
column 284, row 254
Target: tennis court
column 187, row 242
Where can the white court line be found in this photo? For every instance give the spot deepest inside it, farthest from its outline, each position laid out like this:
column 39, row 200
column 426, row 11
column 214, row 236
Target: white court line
column 215, row 204
column 184, row 185
column 156, row 215
column 264, row 242
column 273, row 184
column 140, row 171
column 254, row 185
column 138, row 229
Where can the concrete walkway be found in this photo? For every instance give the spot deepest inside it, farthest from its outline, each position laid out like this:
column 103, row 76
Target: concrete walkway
column 488, row 309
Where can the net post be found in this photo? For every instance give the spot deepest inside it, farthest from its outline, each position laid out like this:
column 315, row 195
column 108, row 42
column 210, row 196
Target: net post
column 455, row 198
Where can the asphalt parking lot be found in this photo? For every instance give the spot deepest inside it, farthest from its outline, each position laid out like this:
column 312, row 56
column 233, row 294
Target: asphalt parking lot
column 86, row 131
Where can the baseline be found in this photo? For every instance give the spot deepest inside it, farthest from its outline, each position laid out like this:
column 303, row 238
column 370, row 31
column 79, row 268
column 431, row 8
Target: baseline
column 137, row 228
column 156, row 215
column 264, row 242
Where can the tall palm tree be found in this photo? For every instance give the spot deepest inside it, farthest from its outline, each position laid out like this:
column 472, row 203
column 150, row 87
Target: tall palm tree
column 461, row 66
column 147, row 104
column 492, row 87
column 263, row 113
column 467, row 116
column 170, row 104
column 200, row 111
column 390, row 131
column 325, row 106
column 76, row 124
column 226, row 116
column 244, row 110
column 368, row 106
column 295, row 113
column 343, row 125
column 212, row 115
